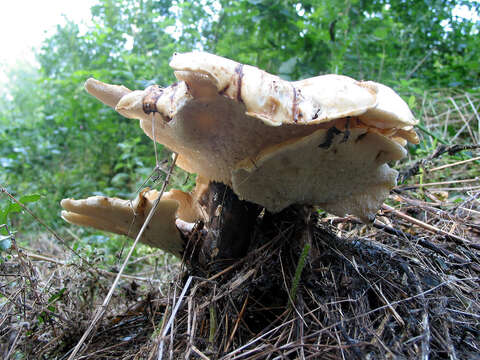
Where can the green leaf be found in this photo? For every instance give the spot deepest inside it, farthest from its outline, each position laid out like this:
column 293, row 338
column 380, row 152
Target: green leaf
column 381, row 32
column 29, row 198
column 57, row 295
column 10, row 208
column 412, row 102
column 298, row 271
column 13, row 208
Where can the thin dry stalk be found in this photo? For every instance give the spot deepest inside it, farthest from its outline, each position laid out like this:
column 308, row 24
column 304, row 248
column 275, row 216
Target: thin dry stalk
column 391, row 290
column 454, row 164
column 172, row 317
column 235, row 327
column 40, row 221
column 474, row 109
column 102, row 309
column 426, row 226
column 466, row 122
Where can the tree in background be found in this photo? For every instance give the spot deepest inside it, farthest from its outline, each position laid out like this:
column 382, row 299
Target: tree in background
column 58, row 142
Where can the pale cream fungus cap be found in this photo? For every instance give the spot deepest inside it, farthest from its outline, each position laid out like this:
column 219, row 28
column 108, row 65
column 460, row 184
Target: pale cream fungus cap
column 321, row 141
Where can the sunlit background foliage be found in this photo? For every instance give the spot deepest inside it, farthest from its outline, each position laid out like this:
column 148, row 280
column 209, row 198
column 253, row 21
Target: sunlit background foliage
column 57, row 141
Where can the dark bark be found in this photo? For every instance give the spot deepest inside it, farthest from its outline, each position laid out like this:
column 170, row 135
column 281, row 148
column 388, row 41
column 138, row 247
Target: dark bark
column 235, row 227
column 227, row 235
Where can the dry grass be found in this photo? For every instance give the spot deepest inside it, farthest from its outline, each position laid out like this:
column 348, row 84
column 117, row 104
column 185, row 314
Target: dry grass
column 452, row 115
column 407, row 286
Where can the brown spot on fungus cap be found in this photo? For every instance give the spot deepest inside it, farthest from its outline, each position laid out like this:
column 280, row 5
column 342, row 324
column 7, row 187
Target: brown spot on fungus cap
column 318, row 99
column 347, row 176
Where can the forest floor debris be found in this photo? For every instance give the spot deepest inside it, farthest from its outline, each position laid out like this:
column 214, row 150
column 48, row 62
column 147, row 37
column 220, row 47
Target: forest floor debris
column 407, row 286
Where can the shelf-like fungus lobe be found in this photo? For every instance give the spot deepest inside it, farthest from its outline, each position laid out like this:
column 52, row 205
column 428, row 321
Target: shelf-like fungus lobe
column 321, row 141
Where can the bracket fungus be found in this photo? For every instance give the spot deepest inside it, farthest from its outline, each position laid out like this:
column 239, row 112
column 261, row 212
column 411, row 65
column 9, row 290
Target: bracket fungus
column 322, row 141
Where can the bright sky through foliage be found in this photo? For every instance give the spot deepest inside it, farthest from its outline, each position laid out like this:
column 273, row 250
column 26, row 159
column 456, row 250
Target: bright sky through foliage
column 24, row 24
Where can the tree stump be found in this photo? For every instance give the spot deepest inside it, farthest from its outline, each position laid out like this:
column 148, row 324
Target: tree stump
column 233, row 225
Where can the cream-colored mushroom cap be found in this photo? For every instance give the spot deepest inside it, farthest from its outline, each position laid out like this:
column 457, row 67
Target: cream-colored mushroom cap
column 110, row 95
column 271, row 99
column 127, row 217
column 391, row 111
column 223, row 112
column 223, row 116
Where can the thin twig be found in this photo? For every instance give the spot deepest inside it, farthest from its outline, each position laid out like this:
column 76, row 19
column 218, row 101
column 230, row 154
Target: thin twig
column 476, row 114
column 199, row 353
column 437, row 183
column 39, row 257
column 463, row 119
column 456, row 188
column 457, row 239
column 102, row 309
column 326, row 328
column 440, row 150
column 172, row 317
column 235, row 326
column 454, row 164
column 417, row 66
column 12, row 347
column 49, row 229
